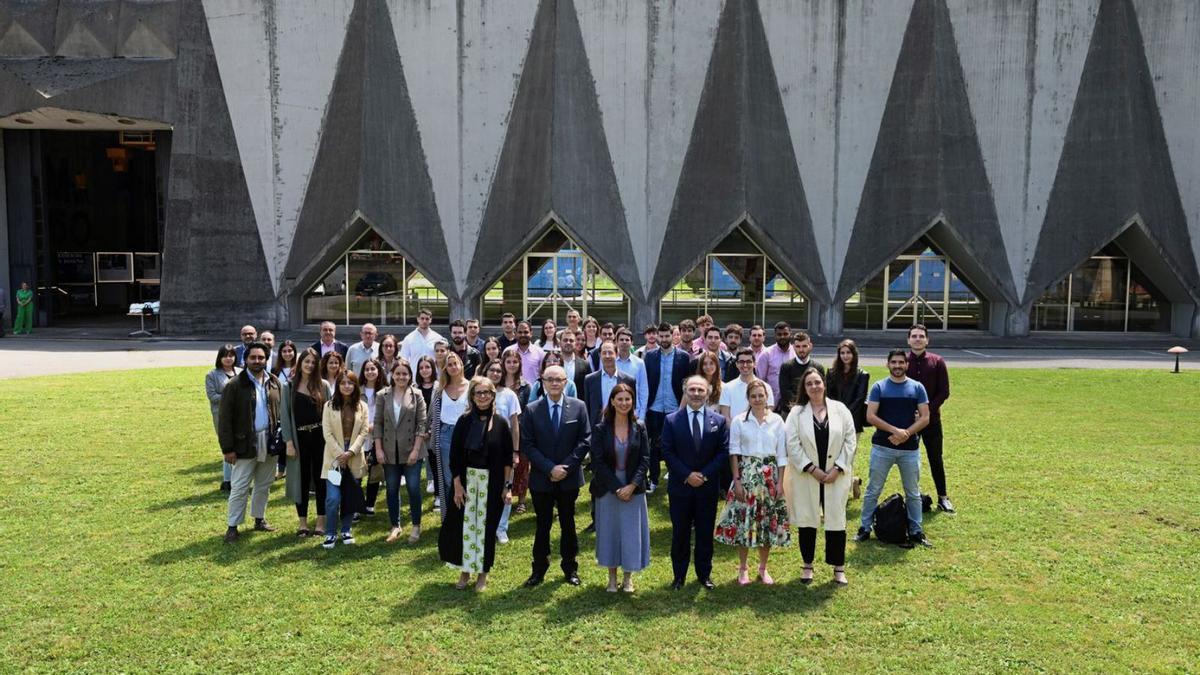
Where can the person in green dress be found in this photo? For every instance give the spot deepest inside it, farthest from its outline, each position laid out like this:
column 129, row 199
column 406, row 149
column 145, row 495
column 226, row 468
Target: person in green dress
column 23, row 323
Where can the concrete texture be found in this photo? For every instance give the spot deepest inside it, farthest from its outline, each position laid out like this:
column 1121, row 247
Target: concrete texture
column 740, row 167
column 370, row 168
column 928, row 169
column 1116, row 170
column 555, row 161
column 1031, row 132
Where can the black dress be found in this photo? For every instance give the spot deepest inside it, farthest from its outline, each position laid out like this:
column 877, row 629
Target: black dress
column 852, row 392
column 310, row 445
column 471, row 447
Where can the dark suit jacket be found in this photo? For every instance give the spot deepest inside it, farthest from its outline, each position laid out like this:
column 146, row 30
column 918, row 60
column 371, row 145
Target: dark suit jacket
column 604, row 460
column 853, row 393
column 679, row 372
column 683, row 457
column 591, row 393
column 789, row 382
column 338, row 346
column 235, row 417
column 546, row 449
column 582, row 370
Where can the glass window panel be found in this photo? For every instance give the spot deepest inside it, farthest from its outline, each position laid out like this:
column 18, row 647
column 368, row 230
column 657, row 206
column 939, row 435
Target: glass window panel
column 421, row 294
column 375, row 281
column 687, row 298
column 966, row 309
column 605, row 300
column 327, row 300
column 901, row 293
column 1098, row 295
column 782, row 300
column 1148, row 310
column 1051, row 310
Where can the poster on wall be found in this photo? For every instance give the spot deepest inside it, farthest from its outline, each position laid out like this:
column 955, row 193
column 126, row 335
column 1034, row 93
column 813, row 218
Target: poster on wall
column 114, row 268
column 75, row 267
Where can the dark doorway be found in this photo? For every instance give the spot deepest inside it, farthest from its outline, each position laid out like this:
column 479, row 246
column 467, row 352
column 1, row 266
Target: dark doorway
column 85, row 211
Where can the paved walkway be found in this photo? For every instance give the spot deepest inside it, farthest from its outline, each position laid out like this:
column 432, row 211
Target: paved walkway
column 29, row 356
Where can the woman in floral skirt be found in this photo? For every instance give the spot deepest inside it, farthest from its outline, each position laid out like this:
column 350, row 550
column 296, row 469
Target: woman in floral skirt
column 756, row 514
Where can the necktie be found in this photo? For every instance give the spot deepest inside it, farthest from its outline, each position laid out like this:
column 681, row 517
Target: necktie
column 554, row 417
column 696, row 428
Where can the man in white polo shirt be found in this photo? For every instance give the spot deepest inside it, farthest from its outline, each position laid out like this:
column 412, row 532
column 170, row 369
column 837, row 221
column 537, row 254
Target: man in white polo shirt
column 733, row 393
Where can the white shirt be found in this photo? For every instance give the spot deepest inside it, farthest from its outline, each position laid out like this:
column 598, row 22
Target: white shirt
column 415, row 345
column 452, row 409
column 733, row 395
column 507, row 404
column 748, row 438
column 358, row 354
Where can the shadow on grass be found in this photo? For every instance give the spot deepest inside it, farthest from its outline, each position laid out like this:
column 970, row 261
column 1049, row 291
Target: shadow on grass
column 212, row 496
column 212, row 468
column 252, row 545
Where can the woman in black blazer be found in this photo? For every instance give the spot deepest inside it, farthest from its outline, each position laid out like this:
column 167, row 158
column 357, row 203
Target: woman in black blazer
column 847, row 383
column 620, row 450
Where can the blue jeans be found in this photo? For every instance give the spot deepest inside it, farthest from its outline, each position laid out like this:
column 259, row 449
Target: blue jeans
column 333, row 500
column 226, row 471
column 444, row 434
column 502, row 528
column 909, row 462
column 412, row 481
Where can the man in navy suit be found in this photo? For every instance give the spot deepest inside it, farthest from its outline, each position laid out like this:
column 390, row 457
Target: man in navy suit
column 695, row 443
column 554, row 435
column 598, row 385
column 659, row 390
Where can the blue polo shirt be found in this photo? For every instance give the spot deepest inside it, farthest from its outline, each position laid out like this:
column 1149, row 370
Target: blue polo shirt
column 898, row 403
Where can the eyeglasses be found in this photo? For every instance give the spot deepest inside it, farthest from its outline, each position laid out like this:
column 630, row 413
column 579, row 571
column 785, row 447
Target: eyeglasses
column 485, row 392
column 555, row 380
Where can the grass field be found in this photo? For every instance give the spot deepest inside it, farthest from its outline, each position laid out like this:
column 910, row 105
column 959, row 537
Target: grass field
column 1077, row 548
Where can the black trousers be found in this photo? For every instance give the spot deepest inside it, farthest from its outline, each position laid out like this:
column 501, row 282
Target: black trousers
column 696, row 509
column 544, row 504
column 932, row 437
column 835, row 546
column 654, row 429
column 310, row 445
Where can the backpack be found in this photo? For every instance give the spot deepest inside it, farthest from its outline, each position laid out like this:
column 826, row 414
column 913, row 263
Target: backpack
column 891, row 520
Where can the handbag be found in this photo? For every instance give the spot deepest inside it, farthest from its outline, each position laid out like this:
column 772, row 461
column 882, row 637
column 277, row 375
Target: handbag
column 334, row 475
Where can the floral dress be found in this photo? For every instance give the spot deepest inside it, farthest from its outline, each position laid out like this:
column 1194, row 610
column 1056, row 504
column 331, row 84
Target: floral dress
column 761, row 519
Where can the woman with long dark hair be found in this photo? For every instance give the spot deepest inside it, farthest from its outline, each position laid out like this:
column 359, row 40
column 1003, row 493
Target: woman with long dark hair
column 548, row 340
column 821, row 442
column 620, row 462
column 514, row 381
column 536, row 389
column 344, row 425
column 333, row 365
column 491, row 352
column 425, row 378
column 223, row 371
column 301, row 408
column 371, row 380
column 285, row 360
column 400, row 433
column 389, row 350
column 848, row 383
column 708, row 366
column 508, row 406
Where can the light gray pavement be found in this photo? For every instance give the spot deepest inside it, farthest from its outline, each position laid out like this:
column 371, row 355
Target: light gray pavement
column 30, row 356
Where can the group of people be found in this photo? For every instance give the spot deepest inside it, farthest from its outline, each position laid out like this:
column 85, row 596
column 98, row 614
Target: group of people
column 498, row 421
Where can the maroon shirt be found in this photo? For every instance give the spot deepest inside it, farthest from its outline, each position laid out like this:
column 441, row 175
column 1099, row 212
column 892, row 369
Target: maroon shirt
column 930, row 370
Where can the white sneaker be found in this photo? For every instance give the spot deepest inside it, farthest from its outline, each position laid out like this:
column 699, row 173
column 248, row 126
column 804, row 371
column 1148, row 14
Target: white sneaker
column 429, row 488
column 437, row 503
column 650, row 488
column 502, row 537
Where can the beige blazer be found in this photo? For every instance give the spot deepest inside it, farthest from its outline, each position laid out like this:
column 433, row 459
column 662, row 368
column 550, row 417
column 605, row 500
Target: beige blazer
column 399, row 436
column 800, row 487
column 335, row 444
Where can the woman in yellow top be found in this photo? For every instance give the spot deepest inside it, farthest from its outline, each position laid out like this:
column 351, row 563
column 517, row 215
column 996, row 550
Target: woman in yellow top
column 344, row 424
column 821, row 441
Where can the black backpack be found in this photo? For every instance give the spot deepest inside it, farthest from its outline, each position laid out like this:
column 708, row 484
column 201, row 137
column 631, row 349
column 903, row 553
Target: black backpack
column 891, row 520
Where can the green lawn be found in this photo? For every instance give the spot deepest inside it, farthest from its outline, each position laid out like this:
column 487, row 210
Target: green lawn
column 1077, row 548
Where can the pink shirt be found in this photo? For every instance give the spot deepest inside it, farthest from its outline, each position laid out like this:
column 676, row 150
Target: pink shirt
column 769, row 363
column 531, row 361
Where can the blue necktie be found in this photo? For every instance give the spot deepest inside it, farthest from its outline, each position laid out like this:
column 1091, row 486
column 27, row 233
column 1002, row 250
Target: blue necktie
column 696, row 428
column 554, row 417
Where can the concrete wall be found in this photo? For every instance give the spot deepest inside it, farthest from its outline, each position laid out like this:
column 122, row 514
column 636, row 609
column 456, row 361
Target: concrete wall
column 1026, row 133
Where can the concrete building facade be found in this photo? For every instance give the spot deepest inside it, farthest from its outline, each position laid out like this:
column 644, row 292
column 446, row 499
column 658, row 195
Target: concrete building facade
column 1002, row 165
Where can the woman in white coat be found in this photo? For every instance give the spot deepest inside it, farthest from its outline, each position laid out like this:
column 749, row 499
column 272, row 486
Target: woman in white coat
column 820, row 443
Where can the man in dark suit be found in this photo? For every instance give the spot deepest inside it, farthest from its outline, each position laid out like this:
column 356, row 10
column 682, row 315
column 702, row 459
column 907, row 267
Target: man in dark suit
column 712, row 343
column 792, row 369
column 328, row 341
column 577, row 369
column 554, row 435
column 598, row 385
column 249, row 337
column 659, row 391
column 695, row 443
